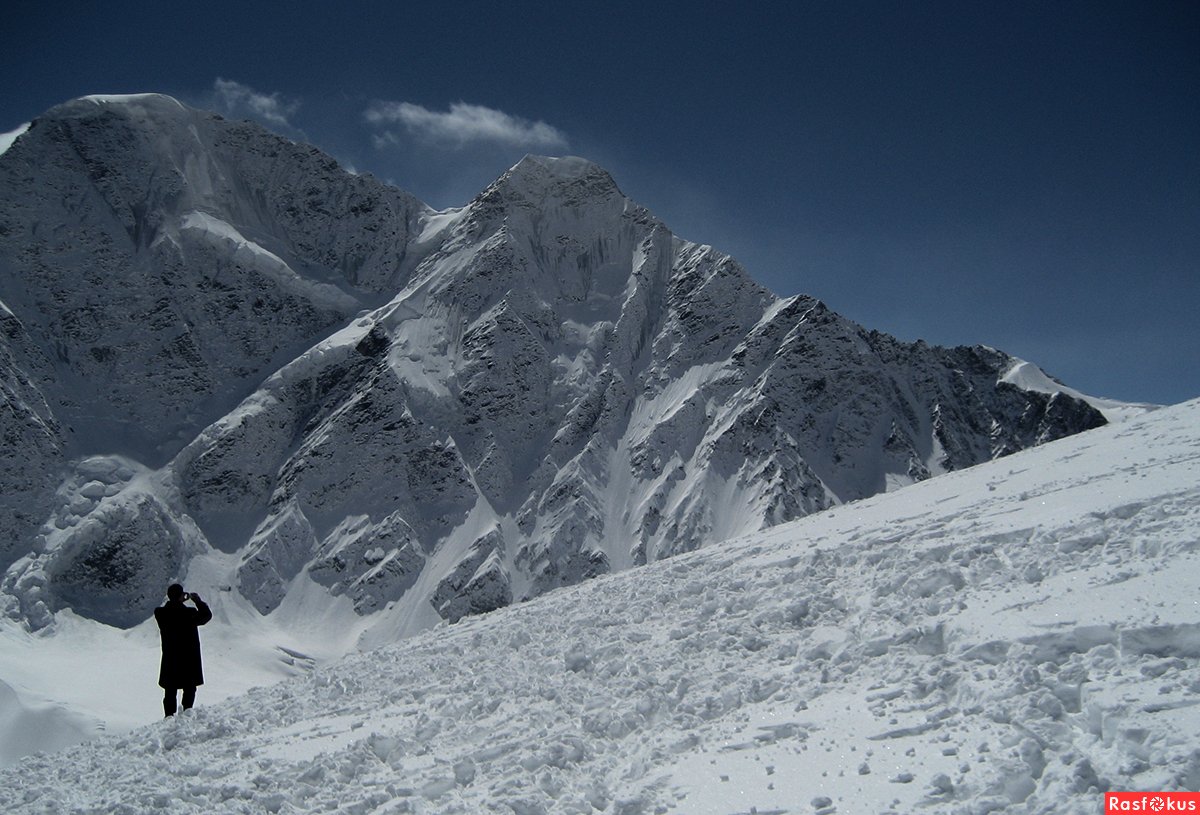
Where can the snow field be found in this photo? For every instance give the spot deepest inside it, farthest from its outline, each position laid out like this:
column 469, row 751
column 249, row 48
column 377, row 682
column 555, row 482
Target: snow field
column 1018, row 637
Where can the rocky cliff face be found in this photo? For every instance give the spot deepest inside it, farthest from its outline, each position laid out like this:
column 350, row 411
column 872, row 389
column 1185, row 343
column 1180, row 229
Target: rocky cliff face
column 216, row 340
column 164, row 261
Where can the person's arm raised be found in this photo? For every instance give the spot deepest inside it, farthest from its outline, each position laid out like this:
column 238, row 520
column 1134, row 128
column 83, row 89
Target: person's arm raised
column 202, row 607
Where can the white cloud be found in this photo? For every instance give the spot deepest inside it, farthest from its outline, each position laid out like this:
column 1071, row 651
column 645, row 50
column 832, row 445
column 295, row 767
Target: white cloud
column 236, row 98
column 463, row 124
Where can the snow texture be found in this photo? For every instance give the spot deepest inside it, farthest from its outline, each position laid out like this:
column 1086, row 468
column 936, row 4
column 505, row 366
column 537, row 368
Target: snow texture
column 1017, row 637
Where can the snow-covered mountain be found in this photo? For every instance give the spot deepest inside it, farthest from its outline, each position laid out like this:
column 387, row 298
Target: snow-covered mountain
column 219, row 343
column 1018, row 637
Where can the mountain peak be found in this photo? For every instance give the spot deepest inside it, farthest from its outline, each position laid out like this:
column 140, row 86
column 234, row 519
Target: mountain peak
column 565, row 167
column 534, row 176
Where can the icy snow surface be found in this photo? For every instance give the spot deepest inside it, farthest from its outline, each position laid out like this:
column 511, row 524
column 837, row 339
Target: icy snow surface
column 1016, row 637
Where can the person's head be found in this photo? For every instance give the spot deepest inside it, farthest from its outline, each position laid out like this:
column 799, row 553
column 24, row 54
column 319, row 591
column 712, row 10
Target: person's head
column 175, row 592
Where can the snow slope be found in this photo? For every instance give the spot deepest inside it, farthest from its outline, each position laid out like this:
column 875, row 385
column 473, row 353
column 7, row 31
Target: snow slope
column 1016, row 637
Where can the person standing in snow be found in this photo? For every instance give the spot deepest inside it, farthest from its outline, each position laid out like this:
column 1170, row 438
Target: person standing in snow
column 177, row 626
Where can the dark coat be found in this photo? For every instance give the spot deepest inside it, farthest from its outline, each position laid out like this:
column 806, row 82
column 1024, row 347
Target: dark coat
column 177, row 624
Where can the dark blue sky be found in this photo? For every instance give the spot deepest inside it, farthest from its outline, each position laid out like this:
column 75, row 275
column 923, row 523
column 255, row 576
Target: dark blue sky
column 1020, row 174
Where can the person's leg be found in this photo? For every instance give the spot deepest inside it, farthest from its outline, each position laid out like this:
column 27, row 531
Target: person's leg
column 189, row 698
column 169, row 703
